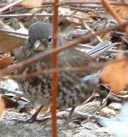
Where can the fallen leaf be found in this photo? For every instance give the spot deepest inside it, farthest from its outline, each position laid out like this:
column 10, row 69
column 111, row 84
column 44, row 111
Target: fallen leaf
column 31, row 3
column 9, row 42
column 2, row 105
column 115, row 75
column 6, row 103
column 5, row 61
column 121, row 10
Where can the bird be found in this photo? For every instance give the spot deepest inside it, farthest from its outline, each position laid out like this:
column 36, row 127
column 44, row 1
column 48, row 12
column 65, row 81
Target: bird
column 39, row 31
column 71, row 91
column 42, row 31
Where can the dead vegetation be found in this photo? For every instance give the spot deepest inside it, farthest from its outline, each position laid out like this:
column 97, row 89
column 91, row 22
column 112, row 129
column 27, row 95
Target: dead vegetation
column 82, row 59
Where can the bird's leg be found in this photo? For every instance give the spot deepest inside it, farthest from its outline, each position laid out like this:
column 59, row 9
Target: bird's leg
column 91, row 97
column 73, row 107
column 70, row 115
column 71, row 112
column 34, row 116
column 104, row 102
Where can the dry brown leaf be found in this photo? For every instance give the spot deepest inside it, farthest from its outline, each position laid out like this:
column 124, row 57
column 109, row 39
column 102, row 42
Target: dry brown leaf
column 115, row 75
column 6, row 103
column 5, row 61
column 2, row 105
column 31, row 3
column 121, row 10
column 8, row 42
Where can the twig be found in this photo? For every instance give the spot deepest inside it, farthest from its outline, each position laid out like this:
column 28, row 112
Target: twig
column 84, row 2
column 55, row 75
column 109, row 8
column 24, row 15
column 92, row 31
column 10, row 5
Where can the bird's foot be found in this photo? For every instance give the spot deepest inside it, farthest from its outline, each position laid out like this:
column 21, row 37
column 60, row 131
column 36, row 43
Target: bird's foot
column 69, row 118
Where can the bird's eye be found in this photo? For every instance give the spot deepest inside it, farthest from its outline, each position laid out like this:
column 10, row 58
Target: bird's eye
column 50, row 39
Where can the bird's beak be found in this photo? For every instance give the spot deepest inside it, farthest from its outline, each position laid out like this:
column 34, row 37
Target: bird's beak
column 92, row 79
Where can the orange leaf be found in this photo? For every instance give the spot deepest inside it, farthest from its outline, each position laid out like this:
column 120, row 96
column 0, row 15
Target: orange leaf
column 110, row 10
column 115, row 75
column 121, row 10
column 5, row 61
column 114, row 13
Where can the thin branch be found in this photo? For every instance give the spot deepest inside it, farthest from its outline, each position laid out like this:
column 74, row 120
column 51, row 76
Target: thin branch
column 24, row 15
column 10, row 5
column 55, row 75
column 109, row 8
